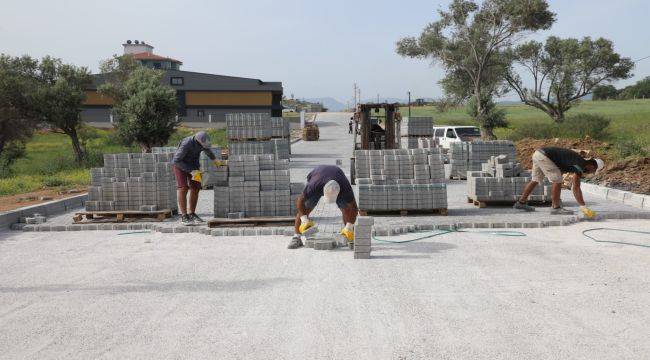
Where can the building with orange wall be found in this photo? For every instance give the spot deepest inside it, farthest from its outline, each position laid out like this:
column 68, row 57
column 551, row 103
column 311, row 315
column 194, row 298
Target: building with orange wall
column 202, row 98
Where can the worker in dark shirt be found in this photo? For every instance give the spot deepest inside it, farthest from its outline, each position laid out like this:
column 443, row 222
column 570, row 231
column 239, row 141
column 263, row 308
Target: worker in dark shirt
column 350, row 126
column 329, row 182
column 187, row 173
column 552, row 162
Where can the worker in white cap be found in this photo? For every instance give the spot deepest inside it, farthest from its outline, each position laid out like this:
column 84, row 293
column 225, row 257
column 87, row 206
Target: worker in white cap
column 330, row 183
column 552, row 162
column 188, row 174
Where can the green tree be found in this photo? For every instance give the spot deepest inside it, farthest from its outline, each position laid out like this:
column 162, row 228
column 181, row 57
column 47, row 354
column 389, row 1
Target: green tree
column 60, row 96
column 145, row 108
column 563, row 71
column 471, row 43
column 115, row 72
column 604, row 92
column 17, row 116
column 640, row 90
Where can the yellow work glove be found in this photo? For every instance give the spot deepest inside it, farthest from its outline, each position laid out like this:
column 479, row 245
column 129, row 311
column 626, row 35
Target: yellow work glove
column 307, row 227
column 197, row 175
column 349, row 234
column 219, row 163
column 589, row 214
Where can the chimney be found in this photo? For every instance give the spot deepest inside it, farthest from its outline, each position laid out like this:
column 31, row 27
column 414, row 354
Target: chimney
column 137, row 47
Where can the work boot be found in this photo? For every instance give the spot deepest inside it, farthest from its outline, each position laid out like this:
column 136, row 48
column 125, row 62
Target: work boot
column 186, row 220
column 520, row 206
column 196, row 219
column 295, row 242
column 561, row 211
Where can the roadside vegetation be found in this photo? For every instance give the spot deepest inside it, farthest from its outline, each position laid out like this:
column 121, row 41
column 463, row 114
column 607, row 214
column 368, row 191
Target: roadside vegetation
column 623, row 123
column 49, row 161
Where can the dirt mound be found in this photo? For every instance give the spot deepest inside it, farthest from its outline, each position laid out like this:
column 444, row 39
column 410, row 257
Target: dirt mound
column 630, row 175
column 587, row 148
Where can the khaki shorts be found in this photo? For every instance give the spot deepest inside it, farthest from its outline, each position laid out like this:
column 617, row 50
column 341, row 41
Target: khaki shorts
column 543, row 166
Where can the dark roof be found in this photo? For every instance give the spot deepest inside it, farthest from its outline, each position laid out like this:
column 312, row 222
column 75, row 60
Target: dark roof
column 205, row 82
column 152, row 56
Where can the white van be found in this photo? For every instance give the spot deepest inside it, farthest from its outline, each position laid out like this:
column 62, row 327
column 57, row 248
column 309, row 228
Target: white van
column 449, row 134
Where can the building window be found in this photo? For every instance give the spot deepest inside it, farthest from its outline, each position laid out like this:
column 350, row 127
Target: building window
column 200, row 113
column 176, row 81
column 157, row 65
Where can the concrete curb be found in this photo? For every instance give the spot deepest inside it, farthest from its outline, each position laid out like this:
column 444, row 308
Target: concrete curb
column 629, row 198
column 288, row 231
column 47, row 209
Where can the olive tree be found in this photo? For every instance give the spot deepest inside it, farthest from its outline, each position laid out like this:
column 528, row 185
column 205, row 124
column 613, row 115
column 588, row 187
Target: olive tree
column 17, row 116
column 60, row 96
column 145, row 108
column 471, row 42
column 562, row 71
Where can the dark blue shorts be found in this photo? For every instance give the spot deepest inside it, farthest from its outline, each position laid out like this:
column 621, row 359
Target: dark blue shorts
column 311, row 202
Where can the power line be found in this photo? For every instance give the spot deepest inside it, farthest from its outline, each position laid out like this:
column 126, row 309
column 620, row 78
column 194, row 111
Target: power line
column 643, row 58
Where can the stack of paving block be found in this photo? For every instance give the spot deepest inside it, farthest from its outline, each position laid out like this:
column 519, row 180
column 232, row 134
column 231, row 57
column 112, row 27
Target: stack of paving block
column 140, row 182
column 213, row 175
column 428, row 142
column 502, row 166
column 400, row 179
column 470, row 156
column 363, row 237
column 503, row 181
column 418, row 128
column 258, row 185
column 280, row 127
column 249, row 133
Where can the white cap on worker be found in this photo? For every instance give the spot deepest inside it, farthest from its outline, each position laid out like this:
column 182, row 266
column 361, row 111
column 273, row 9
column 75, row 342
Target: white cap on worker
column 331, row 191
column 600, row 164
column 203, row 138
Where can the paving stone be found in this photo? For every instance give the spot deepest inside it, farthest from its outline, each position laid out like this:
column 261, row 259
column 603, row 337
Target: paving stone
column 44, row 228
column 136, row 227
column 497, row 225
column 216, row 232
column 615, row 195
column 531, row 225
column 250, row 232
column 265, row 232
column 181, row 229
column 632, row 199
column 58, row 228
column 166, row 230
column 29, row 227
column 361, row 255
column 17, row 226
column 514, row 225
column 120, row 227
column 479, row 225
column 554, row 223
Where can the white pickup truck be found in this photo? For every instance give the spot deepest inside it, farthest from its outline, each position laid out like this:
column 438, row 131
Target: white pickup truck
column 447, row 134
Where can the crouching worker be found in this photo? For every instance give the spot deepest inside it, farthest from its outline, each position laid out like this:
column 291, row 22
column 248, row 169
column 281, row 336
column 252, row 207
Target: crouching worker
column 188, row 175
column 329, row 182
column 552, row 162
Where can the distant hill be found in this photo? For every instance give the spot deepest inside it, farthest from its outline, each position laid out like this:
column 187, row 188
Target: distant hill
column 330, row 103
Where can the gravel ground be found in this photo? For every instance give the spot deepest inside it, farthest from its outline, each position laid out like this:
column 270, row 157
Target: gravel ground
column 551, row 294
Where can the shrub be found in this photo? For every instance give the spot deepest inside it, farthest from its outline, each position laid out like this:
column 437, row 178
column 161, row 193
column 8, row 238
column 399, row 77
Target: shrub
column 629, row 147
column 581, row 125
column 535, row 131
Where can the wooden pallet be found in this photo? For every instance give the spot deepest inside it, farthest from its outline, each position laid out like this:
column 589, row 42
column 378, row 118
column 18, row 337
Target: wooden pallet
column 254, row 221
column 484, row 204
column 250, row 139
column 442, row 212
column 120, row 216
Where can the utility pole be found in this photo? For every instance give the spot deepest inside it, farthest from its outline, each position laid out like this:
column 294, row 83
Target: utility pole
column 409, row 104
column 356, row 100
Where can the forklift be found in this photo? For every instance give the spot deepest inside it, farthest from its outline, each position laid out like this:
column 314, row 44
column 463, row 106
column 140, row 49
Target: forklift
column 374, row 130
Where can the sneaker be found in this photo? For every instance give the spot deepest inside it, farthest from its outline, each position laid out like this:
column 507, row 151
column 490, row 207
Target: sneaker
column 561, row 211
column 295, row 242
column 186, row 220
column 520, row 206
column 196, row 219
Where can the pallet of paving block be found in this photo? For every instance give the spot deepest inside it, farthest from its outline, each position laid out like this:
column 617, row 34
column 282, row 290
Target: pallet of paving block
column 121, row 215
column 484, row 204
column 253, row 221
column 405, row 212
column 266, row 138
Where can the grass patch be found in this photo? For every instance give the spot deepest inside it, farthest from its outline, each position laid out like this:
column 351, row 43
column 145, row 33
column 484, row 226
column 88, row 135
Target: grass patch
column 629, row 120
column 49, row 162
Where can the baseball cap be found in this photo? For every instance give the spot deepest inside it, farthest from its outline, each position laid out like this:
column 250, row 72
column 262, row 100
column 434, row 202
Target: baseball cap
column 203, row 138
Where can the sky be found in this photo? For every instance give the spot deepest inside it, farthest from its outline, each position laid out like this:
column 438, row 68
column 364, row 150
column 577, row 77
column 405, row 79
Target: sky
column 316, row 48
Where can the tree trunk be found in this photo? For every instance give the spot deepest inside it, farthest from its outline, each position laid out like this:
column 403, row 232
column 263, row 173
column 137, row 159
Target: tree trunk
column 486, row 133
column 146, row 148
column 79, row 153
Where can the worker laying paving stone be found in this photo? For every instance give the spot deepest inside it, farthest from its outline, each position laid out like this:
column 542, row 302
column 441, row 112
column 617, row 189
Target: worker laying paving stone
column 188, row 174
column 329, row 182
column 552, row 162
